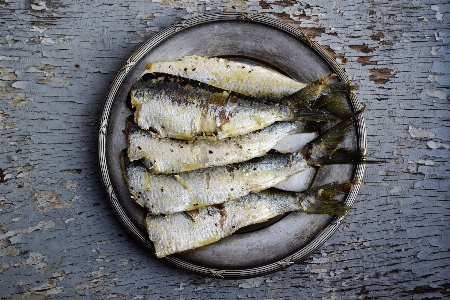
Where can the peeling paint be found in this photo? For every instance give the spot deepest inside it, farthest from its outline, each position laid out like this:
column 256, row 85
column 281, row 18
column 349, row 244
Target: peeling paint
column 435, row 145
column 3, row 116
column 9, row 251
column 3, row 267
column 143, row 15
column 436, row 93
column 420, row 133
column 381, row 76
column 38, row 5
column 7, row 74
column 17, row 99
column 36, row 260
column 251, row 283
column 396, row 190
column 50, row 77
column 366, row 60
column 69, row 185
column 24, row 171
column 51, row 181
column 49, row 200
column 41, row 226
column 73, row 171
column 439, row 16
column 9, row 58
column 426, row 162
column 362, row 48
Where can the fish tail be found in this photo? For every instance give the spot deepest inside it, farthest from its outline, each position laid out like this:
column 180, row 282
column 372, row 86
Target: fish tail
column 321, row 200
column 321, row 101
column 349, row 156
column 325, row 149
column 327, row 143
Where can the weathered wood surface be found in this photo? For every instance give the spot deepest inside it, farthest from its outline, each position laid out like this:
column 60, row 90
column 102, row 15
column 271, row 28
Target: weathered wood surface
column 60, row 239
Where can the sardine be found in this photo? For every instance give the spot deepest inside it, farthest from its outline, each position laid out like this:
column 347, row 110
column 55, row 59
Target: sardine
column 165, row 194
column 246, row 79
column 165, row 156
column 176, row 233
column 184, row 109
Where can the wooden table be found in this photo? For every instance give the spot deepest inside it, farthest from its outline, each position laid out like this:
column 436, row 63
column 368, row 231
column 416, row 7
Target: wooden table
column 59, row 237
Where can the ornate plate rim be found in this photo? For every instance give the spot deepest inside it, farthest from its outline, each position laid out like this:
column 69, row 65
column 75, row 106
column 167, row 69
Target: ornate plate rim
column 300, row 255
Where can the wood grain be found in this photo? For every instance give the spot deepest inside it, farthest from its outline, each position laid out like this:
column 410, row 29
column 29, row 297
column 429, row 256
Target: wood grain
column 60, row 239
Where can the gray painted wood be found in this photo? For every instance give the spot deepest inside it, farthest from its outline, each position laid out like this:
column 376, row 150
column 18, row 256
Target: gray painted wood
column 58, row 236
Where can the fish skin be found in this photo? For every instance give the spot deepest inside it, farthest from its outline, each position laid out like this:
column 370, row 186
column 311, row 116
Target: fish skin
column 176, row 233
column 230, row 75
column 166, row 156
column 166, row 194
column 179, row 108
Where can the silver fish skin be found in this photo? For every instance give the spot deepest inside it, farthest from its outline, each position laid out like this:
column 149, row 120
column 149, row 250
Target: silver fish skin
column 167, row 156
column 230, row 75
column 181, row 109
column 166, row 194
column 177, row 232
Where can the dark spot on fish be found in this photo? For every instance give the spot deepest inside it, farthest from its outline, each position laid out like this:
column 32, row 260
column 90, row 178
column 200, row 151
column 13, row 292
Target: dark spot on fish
column 231, row 189
column 344, row 60
column 139, row 147
column 218, row 99
column 229, row 168
column 171, row 150
column 193, row 69
column 219, row 206
column 20, row 185
column 223, row 118
column 162, row 190
column 77, row 65
column 181, row 146
column 233, row 226
column 162, row 127
column 185, row 69
column 210, row 152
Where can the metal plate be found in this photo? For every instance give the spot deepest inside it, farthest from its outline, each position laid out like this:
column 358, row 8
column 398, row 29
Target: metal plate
column 251, row 37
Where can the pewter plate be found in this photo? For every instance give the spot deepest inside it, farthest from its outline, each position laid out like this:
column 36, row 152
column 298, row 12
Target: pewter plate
column 257, row 39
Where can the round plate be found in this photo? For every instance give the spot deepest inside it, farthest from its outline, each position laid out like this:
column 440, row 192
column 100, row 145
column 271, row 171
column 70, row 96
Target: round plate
column 265, row 41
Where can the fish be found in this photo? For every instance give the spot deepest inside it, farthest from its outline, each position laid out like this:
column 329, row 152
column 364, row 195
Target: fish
column 177, row 233
column 168, row 156
column 179, row 108
column 171, row 193
column 230, row 75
